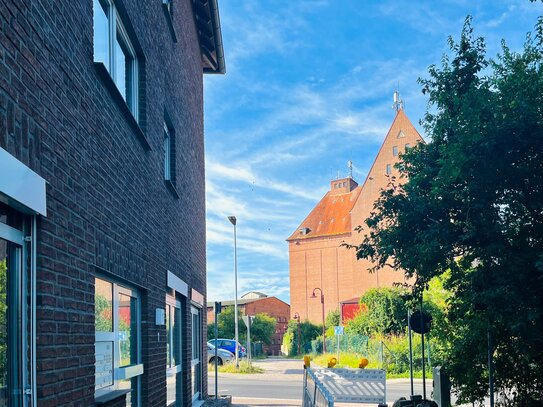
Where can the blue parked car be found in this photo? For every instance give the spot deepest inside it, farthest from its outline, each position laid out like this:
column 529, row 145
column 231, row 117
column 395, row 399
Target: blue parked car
column 229, row 345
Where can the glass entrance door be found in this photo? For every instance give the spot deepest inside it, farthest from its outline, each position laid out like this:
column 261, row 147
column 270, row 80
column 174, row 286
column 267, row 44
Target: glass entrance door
column 196, row 362
column 10, row 316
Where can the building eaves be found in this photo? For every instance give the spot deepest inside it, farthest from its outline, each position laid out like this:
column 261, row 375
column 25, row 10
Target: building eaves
column 208, row 26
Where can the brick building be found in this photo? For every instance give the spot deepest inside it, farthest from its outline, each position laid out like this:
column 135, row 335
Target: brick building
column 317, row 257
column 254, row 303
column 102, row 201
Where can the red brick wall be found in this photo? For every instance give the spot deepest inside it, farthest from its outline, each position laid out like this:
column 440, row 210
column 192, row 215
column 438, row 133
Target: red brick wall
column 107, row 204
column 272, row 306
column 277, row 309
column 322, row 261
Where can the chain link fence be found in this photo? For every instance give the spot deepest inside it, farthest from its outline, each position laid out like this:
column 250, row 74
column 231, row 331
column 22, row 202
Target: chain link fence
column 347, row 343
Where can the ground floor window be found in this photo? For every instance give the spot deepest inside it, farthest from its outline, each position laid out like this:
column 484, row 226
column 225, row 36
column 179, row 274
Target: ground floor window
column 13, row 338
column 118, row 340
column 174, row 338
column 196, row 362
column 9, row 328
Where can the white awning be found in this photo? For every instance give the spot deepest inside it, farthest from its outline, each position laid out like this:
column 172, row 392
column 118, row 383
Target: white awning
column 21, row 187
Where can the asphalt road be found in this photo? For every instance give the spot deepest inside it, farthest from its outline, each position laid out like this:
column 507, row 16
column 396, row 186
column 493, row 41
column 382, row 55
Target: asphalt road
column 248, row 386
column 283, row 380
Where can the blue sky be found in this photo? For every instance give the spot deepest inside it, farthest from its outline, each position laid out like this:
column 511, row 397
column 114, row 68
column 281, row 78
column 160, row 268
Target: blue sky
column 308, row 87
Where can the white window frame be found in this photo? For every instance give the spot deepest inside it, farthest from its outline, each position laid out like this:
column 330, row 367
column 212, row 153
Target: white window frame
column 388, row 169
column 122, row 372
column 395, row 151
column 115, row 26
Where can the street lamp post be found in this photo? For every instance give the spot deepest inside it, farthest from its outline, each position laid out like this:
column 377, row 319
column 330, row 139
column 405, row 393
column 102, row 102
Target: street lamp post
column 233, row 221
column 297, row 318
column 313, row 295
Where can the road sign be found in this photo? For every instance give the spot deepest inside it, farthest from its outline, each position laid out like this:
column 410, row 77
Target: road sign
column 248, row 319
column 245, row 319
column 338, row 330
column 417, row 318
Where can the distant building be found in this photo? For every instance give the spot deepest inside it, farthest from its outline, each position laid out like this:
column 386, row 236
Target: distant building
column 349, row 308
column 318, row 258
column 254, row 303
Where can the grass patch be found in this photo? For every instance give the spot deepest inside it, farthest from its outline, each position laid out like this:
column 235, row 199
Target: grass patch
column 244, row 368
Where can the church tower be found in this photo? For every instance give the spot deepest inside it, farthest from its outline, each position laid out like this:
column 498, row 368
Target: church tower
column 317, row 257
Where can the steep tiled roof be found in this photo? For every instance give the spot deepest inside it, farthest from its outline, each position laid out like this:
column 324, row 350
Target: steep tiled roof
column 331, row 216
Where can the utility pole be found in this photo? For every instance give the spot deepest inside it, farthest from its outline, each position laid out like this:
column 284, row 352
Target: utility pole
column 233, row 221
column 218, row 307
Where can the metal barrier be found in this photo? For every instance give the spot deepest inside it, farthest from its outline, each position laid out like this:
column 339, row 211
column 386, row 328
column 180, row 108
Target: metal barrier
column 315, row 394
column 324, row 387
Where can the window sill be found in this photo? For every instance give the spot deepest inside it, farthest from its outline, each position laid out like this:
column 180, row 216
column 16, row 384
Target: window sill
column 112, row 395
column 171, row 187
column 116, row 95
column 169, row 20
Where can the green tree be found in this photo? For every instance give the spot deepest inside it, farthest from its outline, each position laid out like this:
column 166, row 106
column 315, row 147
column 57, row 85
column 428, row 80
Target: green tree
column 384, row 313
column 308, row 332
column 225, row 324
column 262, row 328
column 472, row 207
column 332, row 320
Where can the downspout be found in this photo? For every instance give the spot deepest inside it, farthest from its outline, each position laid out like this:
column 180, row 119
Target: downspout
column 33, row 277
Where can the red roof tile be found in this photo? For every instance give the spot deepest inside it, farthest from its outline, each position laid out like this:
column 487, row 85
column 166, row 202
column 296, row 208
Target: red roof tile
column 331, row 216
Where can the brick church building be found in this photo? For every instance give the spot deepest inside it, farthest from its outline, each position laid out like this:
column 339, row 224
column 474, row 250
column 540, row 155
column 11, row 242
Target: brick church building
column 317, row 257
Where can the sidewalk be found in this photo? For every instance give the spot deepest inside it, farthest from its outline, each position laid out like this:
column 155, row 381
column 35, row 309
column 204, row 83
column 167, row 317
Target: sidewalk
column 263, row 402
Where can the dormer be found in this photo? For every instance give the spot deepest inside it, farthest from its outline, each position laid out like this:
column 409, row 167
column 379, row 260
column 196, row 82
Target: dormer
column 342, row 186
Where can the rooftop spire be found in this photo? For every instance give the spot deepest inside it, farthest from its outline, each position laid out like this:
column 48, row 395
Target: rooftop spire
column 398, row 103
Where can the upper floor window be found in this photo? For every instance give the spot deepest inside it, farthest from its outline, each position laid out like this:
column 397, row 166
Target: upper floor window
column 395, row 151
column 168, row 5
column 389, row 169
column 407, row 146
column 167, row 154
column 113, row 48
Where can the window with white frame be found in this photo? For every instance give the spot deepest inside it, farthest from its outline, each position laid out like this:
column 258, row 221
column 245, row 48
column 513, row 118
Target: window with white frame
column 117, row 344
column 389, row 169
column 174, row 341
column 113, row 48
column 395, row 151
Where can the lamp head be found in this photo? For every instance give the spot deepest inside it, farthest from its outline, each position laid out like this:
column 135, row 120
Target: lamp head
column 232, row 220
column 313, row 295
column 296, row 316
